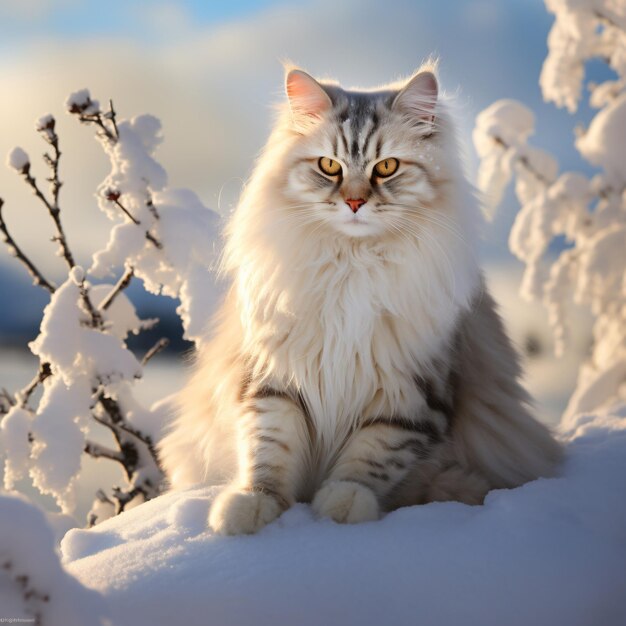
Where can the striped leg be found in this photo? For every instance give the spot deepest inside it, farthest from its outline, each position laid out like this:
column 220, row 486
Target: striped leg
column 273, row 458
column 377, row 458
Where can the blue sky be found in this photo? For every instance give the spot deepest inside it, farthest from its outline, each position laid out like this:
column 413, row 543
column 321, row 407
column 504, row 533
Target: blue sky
column 78, row 18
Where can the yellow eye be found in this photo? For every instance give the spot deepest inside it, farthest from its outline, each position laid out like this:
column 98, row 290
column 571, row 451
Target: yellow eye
column 386, row 168
column 330, row 167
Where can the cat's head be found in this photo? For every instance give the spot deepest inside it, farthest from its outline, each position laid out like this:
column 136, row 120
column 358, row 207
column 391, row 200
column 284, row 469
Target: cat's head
column 363, row 163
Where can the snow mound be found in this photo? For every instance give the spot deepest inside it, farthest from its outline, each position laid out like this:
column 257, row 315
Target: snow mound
column 34, row 588
column 549, row 553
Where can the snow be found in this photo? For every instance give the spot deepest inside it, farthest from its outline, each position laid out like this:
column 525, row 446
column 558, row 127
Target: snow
column 81, row 357
column 58, row 432
column 583, row 29
column 80, row 102
column 120, row 318
column 548, row 553
column 34, row 587
column 78, row 98
column 14, row 429
column 45, row 125
column 188, row 233
column 44, row 122
column 508, row 119
column 74, row 348
column 77, row 275
column 603, row 144
column 18, row 159
column 500, row 138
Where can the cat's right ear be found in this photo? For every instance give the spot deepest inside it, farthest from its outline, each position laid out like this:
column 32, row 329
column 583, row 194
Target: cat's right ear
column 307, row 98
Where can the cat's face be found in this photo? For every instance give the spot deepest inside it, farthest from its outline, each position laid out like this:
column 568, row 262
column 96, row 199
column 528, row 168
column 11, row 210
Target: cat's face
column 364, row 163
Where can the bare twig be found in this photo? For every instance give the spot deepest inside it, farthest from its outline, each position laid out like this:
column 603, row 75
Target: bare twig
column 18, row 253
column 89, row 113
column 103, row 498
column 96, row 320
column 7, row 401
column 152, row 208
column 115, row 421
column 96, row 118
column 48, row 132
column 121, row 284
column 127, row 451
column 114, row 197
column 111, row 115
column 54, row 212
column 153, row 240
column 97, row 451
column 161, row 344
column 24, row 395
column 133, row 219
column 139, row 435
column 124, row 497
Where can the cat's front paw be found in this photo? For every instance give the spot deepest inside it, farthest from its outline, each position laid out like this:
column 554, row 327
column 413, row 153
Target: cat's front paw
column 237, row 512
column 346, row 502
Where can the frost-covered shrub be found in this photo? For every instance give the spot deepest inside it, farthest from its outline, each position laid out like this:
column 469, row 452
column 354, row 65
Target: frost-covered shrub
column 34, row 586
column 162, row 236
column 590, row 213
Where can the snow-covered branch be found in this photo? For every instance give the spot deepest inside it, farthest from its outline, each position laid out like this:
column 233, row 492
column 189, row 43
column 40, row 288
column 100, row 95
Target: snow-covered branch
column 588, row 213
column 161, row 236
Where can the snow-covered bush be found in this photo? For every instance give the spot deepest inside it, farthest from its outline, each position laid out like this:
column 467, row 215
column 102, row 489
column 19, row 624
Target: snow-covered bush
column 590, row 213
column 34, row 587
column 162, row 236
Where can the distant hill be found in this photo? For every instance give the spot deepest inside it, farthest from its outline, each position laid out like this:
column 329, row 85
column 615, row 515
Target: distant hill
column 22, row 304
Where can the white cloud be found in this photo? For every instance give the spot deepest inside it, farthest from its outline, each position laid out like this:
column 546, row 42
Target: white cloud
column 167, row 19
column 32, row 9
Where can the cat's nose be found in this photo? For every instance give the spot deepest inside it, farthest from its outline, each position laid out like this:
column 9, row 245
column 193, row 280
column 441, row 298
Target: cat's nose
column 355, row 205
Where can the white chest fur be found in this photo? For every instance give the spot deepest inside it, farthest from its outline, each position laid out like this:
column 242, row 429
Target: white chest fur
column 351, row 329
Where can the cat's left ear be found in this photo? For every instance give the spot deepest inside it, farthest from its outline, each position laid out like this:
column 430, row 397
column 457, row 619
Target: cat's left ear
column 418, row 98
column 307, row 98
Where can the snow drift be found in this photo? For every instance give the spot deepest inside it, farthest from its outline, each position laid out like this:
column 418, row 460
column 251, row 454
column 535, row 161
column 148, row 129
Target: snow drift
column 549, row 553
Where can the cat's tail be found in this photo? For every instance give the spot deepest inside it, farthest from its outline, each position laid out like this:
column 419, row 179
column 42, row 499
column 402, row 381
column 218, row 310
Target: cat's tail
column 495, row 433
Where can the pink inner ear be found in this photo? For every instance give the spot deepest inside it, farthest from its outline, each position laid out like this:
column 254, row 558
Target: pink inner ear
column 306, row 97
column 419, row 96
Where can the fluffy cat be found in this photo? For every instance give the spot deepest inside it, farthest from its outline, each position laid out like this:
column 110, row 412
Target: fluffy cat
column 357, row 361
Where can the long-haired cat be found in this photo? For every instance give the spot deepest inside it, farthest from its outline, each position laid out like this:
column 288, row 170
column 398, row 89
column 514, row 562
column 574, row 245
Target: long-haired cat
column 357, row 361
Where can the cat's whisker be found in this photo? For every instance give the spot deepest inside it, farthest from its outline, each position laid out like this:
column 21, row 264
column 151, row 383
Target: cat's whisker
column 426, row 213
column 303, row 215
column 451, row 279
column 400, row 227
column 446, row 225
column 425, row 237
